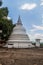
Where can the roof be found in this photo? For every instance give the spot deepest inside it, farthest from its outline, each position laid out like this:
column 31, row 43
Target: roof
column 19, row 22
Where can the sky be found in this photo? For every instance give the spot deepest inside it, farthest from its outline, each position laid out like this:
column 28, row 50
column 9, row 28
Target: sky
column 31, row 13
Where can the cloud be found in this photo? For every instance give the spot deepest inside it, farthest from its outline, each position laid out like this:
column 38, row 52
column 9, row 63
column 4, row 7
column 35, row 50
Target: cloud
column 38, row 27
column 41, row 0
column 41, row 4
column 8, row 18
column 35, row 36
column 28, row 6
column 32, row 30
column 35, row 28
column 38, row 36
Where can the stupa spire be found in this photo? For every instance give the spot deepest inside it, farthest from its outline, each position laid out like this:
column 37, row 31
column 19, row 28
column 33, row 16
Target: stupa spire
column 19, row 21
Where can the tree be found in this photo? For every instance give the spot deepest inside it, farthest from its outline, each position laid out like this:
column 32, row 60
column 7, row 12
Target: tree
column 3, row 12
column 0, row 2
column 5, row 24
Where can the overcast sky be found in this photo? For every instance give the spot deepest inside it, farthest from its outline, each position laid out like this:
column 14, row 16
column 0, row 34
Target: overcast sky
column 31, row 12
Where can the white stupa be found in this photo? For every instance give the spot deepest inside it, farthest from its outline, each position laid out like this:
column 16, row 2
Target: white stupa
column 19, row 38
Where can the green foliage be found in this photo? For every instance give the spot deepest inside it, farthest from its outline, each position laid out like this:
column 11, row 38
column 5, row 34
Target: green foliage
column 33, row 43
column 0, row 2
column 3, row 12
column 14, row 25
column 41, row 45
column 5, row 25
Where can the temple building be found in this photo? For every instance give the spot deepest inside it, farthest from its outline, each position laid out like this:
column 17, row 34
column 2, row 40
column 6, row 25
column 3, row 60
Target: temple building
column 19, row 38
column 38, row 42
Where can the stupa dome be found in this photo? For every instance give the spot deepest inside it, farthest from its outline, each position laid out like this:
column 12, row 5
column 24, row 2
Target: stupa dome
column 19, row 38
